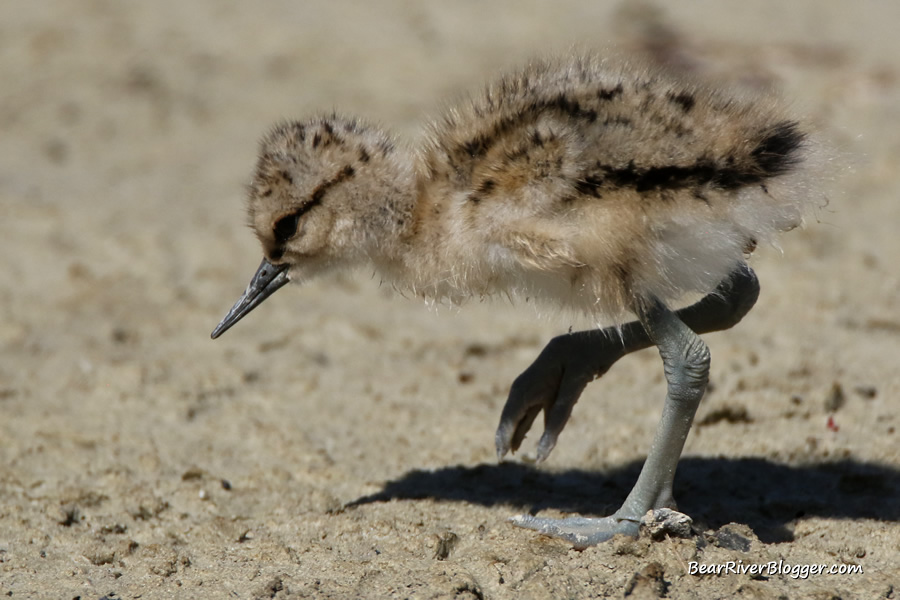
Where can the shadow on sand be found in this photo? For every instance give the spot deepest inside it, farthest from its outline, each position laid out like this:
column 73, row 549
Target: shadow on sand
column 767, row 496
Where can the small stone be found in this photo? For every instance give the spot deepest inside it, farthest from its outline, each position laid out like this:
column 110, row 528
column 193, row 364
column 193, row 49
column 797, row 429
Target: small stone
column 648, row 582
column 446, row 542
column 666, row 522
column 734, row 537
column 192, row 474
column 866, row 391
column 835, row 398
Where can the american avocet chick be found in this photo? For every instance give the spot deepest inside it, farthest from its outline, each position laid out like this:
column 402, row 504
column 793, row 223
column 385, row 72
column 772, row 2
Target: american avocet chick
column 593, row 185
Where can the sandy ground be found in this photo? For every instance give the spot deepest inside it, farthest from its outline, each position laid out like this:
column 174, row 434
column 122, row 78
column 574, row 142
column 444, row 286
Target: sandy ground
column 339, row 442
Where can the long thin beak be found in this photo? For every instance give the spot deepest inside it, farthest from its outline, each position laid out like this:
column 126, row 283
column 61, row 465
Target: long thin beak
column 269, row 279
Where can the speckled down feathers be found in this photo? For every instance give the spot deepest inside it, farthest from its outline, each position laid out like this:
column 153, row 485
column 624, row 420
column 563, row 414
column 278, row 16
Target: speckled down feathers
column 589, row 183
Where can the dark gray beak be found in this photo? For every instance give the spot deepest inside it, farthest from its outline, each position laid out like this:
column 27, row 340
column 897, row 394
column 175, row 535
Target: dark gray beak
column 269, row 279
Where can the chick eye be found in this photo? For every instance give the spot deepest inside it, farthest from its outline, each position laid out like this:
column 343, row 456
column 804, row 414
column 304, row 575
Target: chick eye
column 286, row 227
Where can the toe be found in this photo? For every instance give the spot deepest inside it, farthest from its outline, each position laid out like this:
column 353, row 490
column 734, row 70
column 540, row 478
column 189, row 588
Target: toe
column 581, row 532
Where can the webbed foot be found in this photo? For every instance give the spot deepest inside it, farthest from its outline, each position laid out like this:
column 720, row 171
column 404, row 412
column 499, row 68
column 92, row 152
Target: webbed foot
column 581, row 532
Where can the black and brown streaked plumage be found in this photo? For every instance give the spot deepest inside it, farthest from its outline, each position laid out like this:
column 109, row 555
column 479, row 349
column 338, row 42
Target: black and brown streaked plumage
column 591, row 184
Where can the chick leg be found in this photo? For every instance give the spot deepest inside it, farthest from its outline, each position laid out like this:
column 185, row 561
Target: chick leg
column 686, row 361
column 555, row 380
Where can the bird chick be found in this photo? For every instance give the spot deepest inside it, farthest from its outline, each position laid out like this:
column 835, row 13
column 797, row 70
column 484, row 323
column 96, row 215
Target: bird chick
column 596, row 186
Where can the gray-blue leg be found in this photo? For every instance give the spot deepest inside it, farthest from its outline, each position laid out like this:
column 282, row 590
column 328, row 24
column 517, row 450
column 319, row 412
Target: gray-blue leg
column 686, row 362
column 556, row 379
